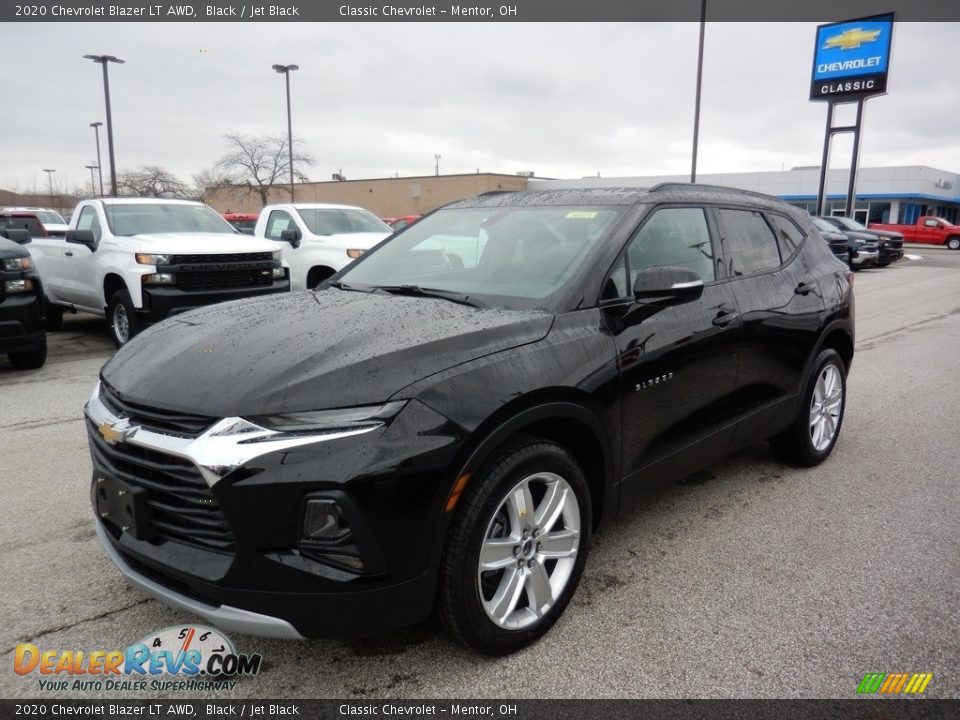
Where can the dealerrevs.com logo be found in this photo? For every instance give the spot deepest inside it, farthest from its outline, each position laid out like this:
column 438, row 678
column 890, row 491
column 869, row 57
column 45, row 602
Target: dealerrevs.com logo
column 894, row 683
column 200, row 658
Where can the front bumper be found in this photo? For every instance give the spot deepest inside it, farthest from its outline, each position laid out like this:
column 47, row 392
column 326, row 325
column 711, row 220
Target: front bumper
column 160, row 302
column 391, row 484
column 21, row 322
column 865, row 259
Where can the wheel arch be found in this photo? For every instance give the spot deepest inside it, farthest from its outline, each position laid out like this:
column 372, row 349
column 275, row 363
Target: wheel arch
column 569, row 424
column 317, row 274
column 112, row 282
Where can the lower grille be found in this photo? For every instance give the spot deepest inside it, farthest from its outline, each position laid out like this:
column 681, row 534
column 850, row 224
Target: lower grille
column 218, row 280
column 182, row 507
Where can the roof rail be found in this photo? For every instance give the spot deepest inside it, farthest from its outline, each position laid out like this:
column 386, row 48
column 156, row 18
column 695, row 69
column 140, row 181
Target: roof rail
column 700, row 186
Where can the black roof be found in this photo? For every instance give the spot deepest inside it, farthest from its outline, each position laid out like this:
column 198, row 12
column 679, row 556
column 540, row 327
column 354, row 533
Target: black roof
column 664, row 192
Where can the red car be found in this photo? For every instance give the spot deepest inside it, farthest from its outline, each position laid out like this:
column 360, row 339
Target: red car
column 401, row 221
column 244, row 222
column 929, row 229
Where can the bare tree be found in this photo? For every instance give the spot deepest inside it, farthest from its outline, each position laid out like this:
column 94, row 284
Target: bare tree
column 152, row 181
column 209, row 178
column 259, row 163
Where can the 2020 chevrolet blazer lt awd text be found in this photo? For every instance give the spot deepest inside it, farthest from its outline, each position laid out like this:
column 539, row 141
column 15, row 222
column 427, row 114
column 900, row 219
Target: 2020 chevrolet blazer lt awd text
column 443, row 424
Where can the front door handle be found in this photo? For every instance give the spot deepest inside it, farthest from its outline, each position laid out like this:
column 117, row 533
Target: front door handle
column 805, row 288
column 69, row 253
column 725, row 318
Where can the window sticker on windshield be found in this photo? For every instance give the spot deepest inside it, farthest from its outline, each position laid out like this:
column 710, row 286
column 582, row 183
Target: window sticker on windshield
column 581, row 214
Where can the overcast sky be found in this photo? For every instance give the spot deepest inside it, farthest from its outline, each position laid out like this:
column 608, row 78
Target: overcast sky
column 564, row 100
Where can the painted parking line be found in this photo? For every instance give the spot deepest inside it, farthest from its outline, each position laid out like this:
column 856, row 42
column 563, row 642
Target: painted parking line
column 913, row 257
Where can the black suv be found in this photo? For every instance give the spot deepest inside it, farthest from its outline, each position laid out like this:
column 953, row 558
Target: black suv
column 22, row 334
column 446, row 422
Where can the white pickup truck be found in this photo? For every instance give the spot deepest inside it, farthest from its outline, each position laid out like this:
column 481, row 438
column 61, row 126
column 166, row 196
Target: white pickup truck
column 140, row 260
column 320, row 239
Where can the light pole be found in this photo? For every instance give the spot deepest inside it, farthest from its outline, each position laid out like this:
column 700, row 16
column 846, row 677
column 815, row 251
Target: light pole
column 436, row 167
column 103, row 60
column 696, row 111
column 96, row 131
column 286, row 70
column 93, row 184
column 50, row 173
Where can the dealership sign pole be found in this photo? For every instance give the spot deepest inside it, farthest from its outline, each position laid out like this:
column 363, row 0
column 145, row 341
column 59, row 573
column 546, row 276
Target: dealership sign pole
column 850, row 64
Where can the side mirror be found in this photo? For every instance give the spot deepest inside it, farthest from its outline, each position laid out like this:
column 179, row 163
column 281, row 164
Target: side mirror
column 21, row 237
column 667, row 286
column 291, row 236
column 82, row 237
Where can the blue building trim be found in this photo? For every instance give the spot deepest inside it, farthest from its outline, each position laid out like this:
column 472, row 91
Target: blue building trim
column 874, row 196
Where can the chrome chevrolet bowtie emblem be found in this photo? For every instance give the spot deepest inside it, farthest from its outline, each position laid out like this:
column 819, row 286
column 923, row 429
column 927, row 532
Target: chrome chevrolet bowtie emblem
column 117, row 432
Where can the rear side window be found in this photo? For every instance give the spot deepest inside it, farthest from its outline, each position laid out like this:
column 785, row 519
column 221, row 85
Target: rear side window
column 748, row 243
column 789, row 236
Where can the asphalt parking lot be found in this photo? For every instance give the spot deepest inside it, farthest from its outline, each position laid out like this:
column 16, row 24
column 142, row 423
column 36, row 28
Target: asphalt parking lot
column 750, row 579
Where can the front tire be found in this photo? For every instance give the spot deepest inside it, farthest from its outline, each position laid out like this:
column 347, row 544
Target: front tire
column 30, row 359
column 516, row 548
column 123, row 318
column 813, row 434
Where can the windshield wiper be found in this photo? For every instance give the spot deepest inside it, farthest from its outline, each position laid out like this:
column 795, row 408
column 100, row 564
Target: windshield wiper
column 417, row 291
column 340, row 285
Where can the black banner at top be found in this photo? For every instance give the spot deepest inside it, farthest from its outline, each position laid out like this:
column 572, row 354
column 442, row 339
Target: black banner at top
column 471, row 11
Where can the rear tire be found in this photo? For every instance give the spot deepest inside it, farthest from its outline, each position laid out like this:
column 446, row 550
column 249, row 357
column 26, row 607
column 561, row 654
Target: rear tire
column 953, row 242
column 123, row 318
column 526, row 515
column 30, row 359
column 814, row 433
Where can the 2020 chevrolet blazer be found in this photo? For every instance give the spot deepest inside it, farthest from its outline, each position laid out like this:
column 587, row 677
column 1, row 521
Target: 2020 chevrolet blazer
column 443, row 424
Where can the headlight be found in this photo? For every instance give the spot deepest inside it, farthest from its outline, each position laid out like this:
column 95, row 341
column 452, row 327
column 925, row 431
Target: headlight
column 277, row 254
column 324, row 421
column 18, row 286
column 148, row 259
column 355, row 253
column 160, row 279
column 18, row 264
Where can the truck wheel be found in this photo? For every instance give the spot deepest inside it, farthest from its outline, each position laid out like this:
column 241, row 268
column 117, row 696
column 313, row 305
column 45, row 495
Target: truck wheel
column 54, row 314
column 516, row 548
column 30, row 359
column 953, row 242
column 124, row 322
column 811, row 437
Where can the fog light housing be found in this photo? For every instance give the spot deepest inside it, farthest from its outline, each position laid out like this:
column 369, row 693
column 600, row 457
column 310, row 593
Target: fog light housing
column 160, row 279
column 279, row 273
column 326, row 535
column 18, row 286
column 323, row 520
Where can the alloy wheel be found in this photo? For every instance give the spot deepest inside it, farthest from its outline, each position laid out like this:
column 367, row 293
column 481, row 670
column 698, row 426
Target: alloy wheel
column 826, row 405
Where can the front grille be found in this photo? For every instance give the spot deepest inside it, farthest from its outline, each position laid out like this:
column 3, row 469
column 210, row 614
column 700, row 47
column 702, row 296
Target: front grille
column 182, row 507
column 233, row 257
column 162, row 421
column 213, row 280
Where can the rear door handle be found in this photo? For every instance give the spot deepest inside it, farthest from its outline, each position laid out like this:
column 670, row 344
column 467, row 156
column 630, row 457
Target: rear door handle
column 805, row 288
column 725, row 318
column 69, row 253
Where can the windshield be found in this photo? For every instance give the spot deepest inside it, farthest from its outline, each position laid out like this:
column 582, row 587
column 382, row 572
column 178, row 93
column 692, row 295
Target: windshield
column 849, row 224
column 48, row 216
column 507, row 257
column 822, row 224
column 338, row 221
column 153, row 218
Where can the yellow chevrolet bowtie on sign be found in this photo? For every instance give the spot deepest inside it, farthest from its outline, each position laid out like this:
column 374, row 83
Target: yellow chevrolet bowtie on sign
column 851, row 39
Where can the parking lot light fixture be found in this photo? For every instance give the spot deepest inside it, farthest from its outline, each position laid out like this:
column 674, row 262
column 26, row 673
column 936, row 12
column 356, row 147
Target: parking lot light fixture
column 104, row 60
column 93, row 184
column 50, row 172
column 286, row 70
column 96, row 130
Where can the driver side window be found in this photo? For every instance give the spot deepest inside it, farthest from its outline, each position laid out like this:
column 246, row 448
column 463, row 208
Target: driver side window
column 88, row 220
column 279, row 221
column 676, row 237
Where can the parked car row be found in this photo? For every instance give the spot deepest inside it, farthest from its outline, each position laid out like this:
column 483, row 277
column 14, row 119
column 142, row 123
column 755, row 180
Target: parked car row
column 22, row 335
column 859, row 247
column 928, row 229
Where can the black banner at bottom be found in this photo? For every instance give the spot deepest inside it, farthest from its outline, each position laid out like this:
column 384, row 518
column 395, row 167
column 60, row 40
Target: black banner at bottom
column 857, row 709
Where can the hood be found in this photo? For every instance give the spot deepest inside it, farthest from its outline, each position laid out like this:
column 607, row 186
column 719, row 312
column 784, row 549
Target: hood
column 56, row 228
column 202, row 243
column 9, row 249
column 887, row 234
column 308, row 351
column 862, row 236
column 362, row 241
